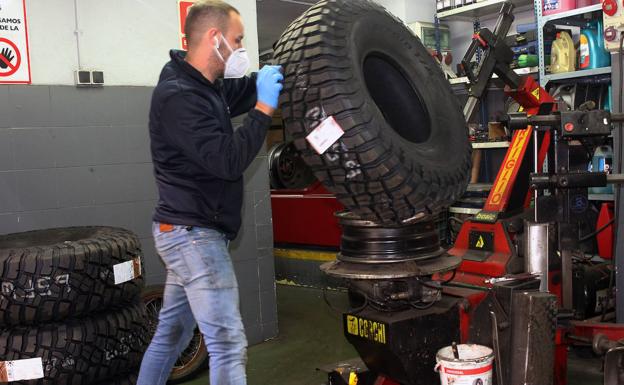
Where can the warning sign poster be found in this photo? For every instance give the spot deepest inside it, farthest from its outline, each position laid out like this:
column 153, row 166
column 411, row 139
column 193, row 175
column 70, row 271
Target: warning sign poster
column 183, row 8
column 14, row 56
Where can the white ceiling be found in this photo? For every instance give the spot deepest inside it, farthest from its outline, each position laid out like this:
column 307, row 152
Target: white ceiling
column 274, row 16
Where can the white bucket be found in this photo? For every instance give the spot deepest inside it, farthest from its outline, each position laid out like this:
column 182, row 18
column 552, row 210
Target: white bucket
column 474, row 366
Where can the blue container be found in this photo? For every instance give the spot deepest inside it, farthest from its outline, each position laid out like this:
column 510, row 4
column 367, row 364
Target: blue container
column 602, row 161
column 592, row 52
column 607, row 104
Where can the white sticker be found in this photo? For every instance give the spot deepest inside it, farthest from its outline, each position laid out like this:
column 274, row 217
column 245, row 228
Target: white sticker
column 18, row 370
column 325, row 135
column 127, row 271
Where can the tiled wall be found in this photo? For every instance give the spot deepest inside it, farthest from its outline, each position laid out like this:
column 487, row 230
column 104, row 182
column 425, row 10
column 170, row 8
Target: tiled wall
column 72, row 156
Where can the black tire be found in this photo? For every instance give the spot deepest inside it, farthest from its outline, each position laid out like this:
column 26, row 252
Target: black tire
column 405, row 151
column 49, row 275
column 194, row 359
column 81, row 351
column 127, row 379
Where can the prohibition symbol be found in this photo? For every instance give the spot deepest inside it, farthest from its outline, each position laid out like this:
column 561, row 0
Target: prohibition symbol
column 10, row 58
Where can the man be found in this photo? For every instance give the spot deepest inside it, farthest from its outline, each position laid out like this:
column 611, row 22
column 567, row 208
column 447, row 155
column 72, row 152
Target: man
column 199, row 162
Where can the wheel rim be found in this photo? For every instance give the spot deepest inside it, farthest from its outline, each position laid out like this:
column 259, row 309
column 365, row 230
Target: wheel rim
column 193, row 351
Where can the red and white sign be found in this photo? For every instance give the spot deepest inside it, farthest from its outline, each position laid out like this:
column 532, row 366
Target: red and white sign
column 183, row 8
column 14, row 55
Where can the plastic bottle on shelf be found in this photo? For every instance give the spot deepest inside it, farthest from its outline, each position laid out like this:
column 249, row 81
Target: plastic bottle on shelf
column 592, row 52
column 526, row 60
column 555, row 6
column 563, row 54
column 602, row 162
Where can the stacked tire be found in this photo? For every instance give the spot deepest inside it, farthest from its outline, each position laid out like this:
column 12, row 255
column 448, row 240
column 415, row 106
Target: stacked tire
column 59, row 302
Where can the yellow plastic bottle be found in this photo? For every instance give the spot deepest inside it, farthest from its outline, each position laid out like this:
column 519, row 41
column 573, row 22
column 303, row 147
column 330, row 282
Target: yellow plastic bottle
column 563, row 54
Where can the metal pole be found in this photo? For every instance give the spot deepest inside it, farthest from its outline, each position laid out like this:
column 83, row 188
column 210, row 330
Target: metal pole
column 618, row 147
column 536, row 246
column 535, row 169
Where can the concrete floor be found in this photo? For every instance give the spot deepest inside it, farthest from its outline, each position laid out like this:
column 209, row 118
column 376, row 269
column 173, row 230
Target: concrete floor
column 311, row 336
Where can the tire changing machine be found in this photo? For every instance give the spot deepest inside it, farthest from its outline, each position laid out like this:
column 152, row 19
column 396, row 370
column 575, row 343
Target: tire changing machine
column 409, row 298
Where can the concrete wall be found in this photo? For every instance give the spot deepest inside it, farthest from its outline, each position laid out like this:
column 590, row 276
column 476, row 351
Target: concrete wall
column 128, row 39
column 73, row 156
column 410, row 10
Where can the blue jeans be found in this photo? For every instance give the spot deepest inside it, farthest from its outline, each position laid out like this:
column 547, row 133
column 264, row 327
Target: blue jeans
column 201, row 288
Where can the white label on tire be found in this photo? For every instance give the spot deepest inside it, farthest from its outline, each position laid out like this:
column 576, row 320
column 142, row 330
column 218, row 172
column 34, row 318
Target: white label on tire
column 18, row 370
column 127, row 271
column 325, row 135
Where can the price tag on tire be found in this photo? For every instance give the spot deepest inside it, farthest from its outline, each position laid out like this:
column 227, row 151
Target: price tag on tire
column 18, row 370
column 325, row 135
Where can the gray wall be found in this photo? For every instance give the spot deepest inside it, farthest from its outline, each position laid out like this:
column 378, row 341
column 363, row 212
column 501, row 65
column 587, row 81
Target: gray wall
column 72, row 156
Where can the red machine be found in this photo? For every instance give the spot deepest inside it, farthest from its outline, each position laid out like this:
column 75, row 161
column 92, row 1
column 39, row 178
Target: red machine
column 316, row 205
column 474, row 307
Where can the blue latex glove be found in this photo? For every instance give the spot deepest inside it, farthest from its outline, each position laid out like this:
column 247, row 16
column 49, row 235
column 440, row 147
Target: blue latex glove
column 268, row 85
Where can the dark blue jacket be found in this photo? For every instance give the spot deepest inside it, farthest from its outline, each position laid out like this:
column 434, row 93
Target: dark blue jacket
column 198, row 158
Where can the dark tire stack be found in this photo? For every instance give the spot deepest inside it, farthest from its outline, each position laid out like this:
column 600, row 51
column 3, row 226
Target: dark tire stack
column 59, row 302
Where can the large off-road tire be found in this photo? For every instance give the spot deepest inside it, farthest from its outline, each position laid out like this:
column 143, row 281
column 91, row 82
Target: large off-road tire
column 126, row 379
column 194, row 359
column 49, row 275
column 405, row 149
column 81, row 351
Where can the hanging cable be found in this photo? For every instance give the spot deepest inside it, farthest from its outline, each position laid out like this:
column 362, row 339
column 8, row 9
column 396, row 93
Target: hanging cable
column 593, row 234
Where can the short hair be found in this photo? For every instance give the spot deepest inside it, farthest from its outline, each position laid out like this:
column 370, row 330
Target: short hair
column 205, row 14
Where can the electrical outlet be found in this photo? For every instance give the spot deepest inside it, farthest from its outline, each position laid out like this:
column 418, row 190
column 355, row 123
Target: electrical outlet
column 88, row 78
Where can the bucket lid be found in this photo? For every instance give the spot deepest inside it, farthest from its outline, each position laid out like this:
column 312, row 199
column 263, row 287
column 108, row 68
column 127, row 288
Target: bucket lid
column 467, row 353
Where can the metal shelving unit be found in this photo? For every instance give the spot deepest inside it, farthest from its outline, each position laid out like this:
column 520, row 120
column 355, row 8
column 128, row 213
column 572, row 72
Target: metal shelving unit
column 576, row 74
column 519, row 71
column 500, row 144
column 573, row 12
column 601, row 197
column 481, row 9
column 541, row 22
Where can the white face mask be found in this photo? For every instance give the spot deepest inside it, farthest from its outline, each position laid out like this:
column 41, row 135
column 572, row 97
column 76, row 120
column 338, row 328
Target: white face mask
column 237, row 63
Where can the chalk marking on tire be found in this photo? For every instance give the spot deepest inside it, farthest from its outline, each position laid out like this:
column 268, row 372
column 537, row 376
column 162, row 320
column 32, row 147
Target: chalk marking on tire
column 18, row 370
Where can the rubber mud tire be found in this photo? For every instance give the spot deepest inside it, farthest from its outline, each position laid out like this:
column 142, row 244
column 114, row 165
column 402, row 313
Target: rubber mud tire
column 49, row 275
column 81, row 351
column 127, row 379
column 405, row 151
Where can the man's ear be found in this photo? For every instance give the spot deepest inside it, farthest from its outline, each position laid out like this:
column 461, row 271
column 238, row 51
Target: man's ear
column 212, row 35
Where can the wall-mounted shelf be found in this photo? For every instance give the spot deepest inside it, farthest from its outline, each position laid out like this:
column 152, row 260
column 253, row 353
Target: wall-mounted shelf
column 482, row 9
column 500, row 144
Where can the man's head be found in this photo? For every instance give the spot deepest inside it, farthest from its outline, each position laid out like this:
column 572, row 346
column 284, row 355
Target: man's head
column 213, row 30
